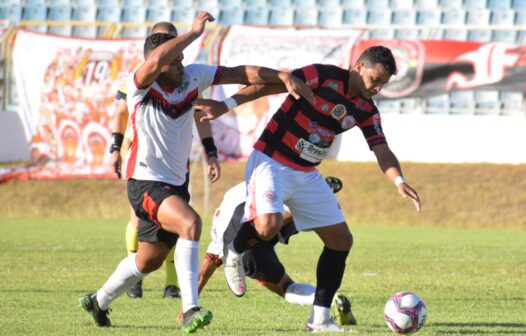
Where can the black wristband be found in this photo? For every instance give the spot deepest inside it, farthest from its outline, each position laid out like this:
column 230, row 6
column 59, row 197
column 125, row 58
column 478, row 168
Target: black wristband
column 116, row 141
column 210, row 147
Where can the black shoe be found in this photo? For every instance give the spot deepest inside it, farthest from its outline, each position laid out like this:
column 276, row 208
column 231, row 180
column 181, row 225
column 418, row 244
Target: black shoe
column 196, row 318
column 136, row 291
column 89, row 304
column 172, row 292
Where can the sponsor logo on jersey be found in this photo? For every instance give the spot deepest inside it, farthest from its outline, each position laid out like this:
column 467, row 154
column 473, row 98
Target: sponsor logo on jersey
column 338, row 111
column 348, row 122
column 334, row 86
column 310, row 152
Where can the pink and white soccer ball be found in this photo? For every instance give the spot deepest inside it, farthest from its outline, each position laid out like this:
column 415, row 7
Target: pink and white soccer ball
column 405, row 313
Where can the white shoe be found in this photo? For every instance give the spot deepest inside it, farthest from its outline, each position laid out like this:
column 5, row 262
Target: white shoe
column 234, row 272
column 328, row 327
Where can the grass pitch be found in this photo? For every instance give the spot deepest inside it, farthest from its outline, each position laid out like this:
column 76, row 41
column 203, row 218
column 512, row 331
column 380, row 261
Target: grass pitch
column 472, row 281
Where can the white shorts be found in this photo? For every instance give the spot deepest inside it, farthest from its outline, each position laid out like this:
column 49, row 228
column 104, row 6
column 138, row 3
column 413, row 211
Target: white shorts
column 271, row 184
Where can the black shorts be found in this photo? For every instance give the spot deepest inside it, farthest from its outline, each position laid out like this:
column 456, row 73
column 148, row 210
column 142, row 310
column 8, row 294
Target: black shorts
column 145, row 198
column 262, row 263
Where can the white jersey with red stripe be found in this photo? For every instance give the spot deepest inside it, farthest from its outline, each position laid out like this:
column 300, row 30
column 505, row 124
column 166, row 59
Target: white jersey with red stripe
column 162, row 123
column 222, row 216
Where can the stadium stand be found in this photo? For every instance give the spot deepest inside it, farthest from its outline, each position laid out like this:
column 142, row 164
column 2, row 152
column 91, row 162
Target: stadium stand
column 281, row 16
column 86, row 14
column 330, row 17
column 256, row 16
column 130, row 17
column 60, row 13
column 307, row 16
column 35, row 12
column 231, row 15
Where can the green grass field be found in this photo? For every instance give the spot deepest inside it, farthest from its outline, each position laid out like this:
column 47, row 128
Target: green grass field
column 471, row 279
column 465, row 255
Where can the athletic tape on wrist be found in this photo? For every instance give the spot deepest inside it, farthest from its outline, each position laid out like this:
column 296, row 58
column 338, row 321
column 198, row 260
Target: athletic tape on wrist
column 230, row 103
column 399, row 180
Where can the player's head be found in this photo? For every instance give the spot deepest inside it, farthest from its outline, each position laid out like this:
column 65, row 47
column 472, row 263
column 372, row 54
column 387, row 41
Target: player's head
column 374, row 68
column 164, row 27
column 175, row 69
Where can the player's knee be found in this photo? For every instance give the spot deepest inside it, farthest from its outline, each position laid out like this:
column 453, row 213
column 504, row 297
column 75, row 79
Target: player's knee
column 150, row 264
column 191, row 228
column 268, row 226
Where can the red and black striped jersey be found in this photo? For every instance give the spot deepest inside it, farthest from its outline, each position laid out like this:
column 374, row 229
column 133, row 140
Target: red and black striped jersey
column 299, row 134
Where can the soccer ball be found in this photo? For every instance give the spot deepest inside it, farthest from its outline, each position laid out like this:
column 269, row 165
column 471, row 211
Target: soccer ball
column 405, row 313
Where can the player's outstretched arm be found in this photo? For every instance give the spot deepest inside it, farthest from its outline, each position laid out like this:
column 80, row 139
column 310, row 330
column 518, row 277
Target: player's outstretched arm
column 117, row 137
column 391, row 168
column 211, row 109
column 170, row 51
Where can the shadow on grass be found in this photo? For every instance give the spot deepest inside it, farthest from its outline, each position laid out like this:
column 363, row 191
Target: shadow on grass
column 477, row 328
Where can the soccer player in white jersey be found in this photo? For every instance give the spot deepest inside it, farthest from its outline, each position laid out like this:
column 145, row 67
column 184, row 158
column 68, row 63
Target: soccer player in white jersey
column 160, row 96
column 261, row 263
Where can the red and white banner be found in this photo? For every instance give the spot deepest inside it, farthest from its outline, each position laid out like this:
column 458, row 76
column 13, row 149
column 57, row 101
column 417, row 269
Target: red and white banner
column 66, row 89
column 284, row 49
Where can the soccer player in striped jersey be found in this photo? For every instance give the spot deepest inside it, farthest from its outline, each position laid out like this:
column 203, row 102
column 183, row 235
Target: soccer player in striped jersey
column 160, row 96
column 282, row 167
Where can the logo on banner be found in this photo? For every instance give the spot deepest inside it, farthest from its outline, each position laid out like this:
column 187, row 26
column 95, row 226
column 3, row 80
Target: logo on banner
column 409, row 56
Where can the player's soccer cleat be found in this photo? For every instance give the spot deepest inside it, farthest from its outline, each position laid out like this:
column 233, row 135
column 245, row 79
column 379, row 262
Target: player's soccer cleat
column 196, row 318
column 234, row 272
column 342, row 313
column 135, row 292
column 171, row 292
column 89, row 304
column 331, row 326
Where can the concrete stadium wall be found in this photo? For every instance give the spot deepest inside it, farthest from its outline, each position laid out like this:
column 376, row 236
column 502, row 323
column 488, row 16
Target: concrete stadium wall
column 444, row 139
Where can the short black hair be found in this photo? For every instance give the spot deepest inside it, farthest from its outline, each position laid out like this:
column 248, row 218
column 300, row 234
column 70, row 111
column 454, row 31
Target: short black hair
column 155, row 40
column 379, row 55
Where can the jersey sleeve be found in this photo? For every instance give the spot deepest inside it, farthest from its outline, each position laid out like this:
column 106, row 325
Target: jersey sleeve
column 134, row 93
column 206, row 75
column 310, row 74
column 372, row 129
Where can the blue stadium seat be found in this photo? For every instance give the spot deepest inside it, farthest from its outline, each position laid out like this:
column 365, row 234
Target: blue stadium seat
column 230, row 16
column 86, row 3
column 256, row 16
column 303, row 3
column 348, row 4
column 355, row 16
column 108, row 3
column 503, row 17
column 475, row 4
column 381, row 17
column 134, row 15
column 518, row 4
column 256, row 4
column 180, row 4
column 306, row 16
column 281, row 16
column 158, row 13
column 405, row 17
column 426, row 4
column 512, row 103
column 438, row 104
column 35, row 12
column 520, row 19
column 204, row 4
column 428, row 17
column 479, row 17
column 377, row 4
column 183, row 15
column 86, row 14
column 451, row 4
column 330, row 17
column 401, row 4
column 54, row 3
column 488, row 102
column 326, row 4
column 499, row 4
column 280, row 3
column 108, row 13
column 60, row 13
column 159, row 3
column 462, row 102
column 227, row 4
column 11, row 12
column 411, row 105
column 31, row 3
column 455, row 17
column 132, row 3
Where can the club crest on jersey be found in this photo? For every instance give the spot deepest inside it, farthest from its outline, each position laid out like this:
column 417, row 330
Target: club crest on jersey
column 338, row 111
column 348, row 122
column 270, row 196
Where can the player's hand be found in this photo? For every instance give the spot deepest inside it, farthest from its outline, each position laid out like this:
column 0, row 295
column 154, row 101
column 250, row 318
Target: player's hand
column 406, row 191
column 116, row 163
column 180, row 316
column 209, row 109
column 297, row 88
column 198, row 26
column 214, row 169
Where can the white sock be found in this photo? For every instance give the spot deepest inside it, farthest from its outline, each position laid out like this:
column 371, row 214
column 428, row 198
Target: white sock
column 187, row 266
column 302, row 294
column 320, row 315
column 125, row 276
